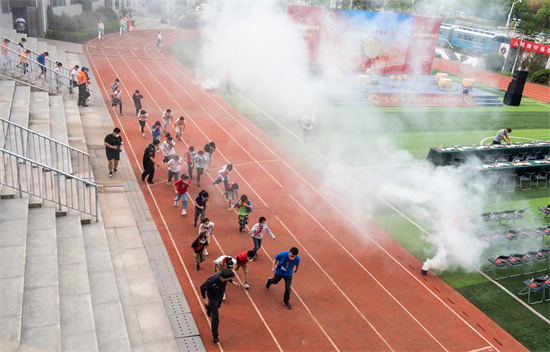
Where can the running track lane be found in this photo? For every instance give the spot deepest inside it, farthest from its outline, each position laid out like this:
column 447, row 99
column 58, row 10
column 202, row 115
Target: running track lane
column 531, row 90
column 356, row 288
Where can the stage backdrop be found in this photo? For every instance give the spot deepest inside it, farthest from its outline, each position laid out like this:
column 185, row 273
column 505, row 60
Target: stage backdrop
column 361, row 40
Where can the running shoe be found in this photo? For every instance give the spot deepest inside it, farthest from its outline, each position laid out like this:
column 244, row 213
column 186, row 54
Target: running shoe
column 286, row 304
column 184, row 212
column 246, row 285
column 267, row 284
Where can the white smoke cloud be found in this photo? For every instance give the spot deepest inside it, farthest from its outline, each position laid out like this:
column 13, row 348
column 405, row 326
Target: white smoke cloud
column 265, row 56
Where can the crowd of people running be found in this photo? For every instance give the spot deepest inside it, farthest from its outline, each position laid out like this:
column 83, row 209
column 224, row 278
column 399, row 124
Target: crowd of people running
column 183, row 167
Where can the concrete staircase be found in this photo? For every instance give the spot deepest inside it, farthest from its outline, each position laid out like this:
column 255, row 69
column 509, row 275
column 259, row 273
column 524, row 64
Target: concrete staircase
column 70, row 283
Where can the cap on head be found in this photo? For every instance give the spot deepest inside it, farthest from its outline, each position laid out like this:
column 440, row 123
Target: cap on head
column 227, row 273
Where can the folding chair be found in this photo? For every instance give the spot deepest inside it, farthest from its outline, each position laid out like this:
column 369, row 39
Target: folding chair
column 542, row 176
column 518, row 215
column 508, row 182
column 506, row 216
column 543, row 256
column 495, row 217
column 498, row 264
column 511, row 238
column 538, row 234
column 515, row 260
column 485, row 217
column 526, row 177
column 504, row 157
column 544, row 212
column 545, row 280
column 521, row 156
column 533, row 156
column 528, row 259
column 532, row 286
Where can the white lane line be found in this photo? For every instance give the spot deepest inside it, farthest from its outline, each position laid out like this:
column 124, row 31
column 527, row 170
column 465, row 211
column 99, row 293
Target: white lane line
column 193, row 285
column 338, row 210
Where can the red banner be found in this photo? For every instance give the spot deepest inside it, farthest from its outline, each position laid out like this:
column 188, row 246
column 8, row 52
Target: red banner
column 530, row 46
column 309, row 22
column 422, row 45
column 390, row 99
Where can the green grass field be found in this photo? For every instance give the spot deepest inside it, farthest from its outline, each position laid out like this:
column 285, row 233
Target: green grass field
column 416, row 130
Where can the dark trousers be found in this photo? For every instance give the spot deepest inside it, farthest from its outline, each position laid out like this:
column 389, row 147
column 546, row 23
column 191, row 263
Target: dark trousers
column 288, row 282
column 141, row 126
column 138, row 108
column 257, row 244
column 82, row 94
column 148, row 170
column 213, row 309
column 200, row 170
column 201, row 212
column 190, row 168
column 495, row 142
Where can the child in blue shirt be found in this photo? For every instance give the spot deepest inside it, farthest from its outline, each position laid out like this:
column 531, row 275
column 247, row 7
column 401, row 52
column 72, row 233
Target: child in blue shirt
column 156, row 130
column 285, row 265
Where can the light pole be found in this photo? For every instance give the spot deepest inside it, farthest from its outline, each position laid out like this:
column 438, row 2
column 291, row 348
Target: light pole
column 516, row 22
column 512, row 9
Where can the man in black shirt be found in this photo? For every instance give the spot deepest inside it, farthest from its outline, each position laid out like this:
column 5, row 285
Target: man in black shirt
column 149, row 161
column 113, row 146
column 214, row 287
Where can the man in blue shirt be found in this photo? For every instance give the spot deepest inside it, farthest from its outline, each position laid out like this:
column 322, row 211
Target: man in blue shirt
column 42, row 61
column 286, row 264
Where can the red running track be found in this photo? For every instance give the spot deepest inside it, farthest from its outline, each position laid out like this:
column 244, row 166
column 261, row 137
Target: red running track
column 531, row 90
column 356, row 290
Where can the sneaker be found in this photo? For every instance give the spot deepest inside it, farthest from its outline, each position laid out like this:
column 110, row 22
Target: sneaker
column 143, row 178
column 143, row 135
column 206, row 251
column 198, row 184
column 184, row 212
column 223, row 297
column 216, row 339
column 121, row 114
column 240, row 231
column 168, row 183
column 116, row 171
column 267, row 284
column 175, row 204
column 195, row 224
column 110, row 174
column 197, row 268
column 287, row 305
column 229, row 208
column 246, row 285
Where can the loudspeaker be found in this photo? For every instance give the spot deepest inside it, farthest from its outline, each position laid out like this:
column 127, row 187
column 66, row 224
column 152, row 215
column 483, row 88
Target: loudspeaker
column 512, row 99
column 515, row 88
column 520, row 77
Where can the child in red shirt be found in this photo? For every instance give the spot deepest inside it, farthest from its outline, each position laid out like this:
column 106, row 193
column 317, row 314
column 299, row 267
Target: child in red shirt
column 181, row 187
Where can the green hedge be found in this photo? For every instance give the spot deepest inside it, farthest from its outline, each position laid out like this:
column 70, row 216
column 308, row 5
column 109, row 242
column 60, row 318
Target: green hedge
column 80, row 28
column 540, row 76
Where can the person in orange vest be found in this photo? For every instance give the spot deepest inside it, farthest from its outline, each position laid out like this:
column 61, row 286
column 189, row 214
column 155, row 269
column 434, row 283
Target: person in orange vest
column 5, row 54
column 23, row 61
column 82, row 86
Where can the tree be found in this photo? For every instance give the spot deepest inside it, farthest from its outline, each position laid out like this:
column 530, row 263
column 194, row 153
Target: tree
column 399, row 6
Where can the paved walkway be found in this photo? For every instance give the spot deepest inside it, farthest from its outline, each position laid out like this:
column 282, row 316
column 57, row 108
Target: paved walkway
column 499, row 81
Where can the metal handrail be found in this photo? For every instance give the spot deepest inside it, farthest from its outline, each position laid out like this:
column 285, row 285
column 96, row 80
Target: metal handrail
column 49, row 62
column 45, row 150
column 42, row 181
column 56, row 82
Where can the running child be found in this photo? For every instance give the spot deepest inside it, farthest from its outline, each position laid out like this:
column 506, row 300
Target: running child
column 242, row 260
column 223, row 174
column 179, row 127
column 258, row 232
column 136, row 97
column 199, row 247
column 181, row 187
column 231, row 193
column 142, row 119
column 167, row 118
column 244, row 207
column 200, row 164
column 174, row 167
column 189, row 157
column 156, row 130
column 206, row 228
column 201, row 203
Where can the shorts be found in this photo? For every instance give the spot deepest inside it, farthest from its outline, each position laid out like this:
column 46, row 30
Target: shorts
column 231, row 195
column 237, row 267
column 113, row 155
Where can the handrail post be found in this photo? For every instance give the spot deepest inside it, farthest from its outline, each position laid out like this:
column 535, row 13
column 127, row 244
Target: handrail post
column 58, row 189
column 19, row 177
column 96, row 204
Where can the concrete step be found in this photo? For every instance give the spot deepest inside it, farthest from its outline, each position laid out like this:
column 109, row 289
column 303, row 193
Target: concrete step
column 39, row 122
column 78, row 330
column 32, row 44
column 21, row 105
column 110, row 323
column 58, row 131
column 7, row 90
column 13, row 250
column 41, row 319
column 52, row 51
column 41, row 47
